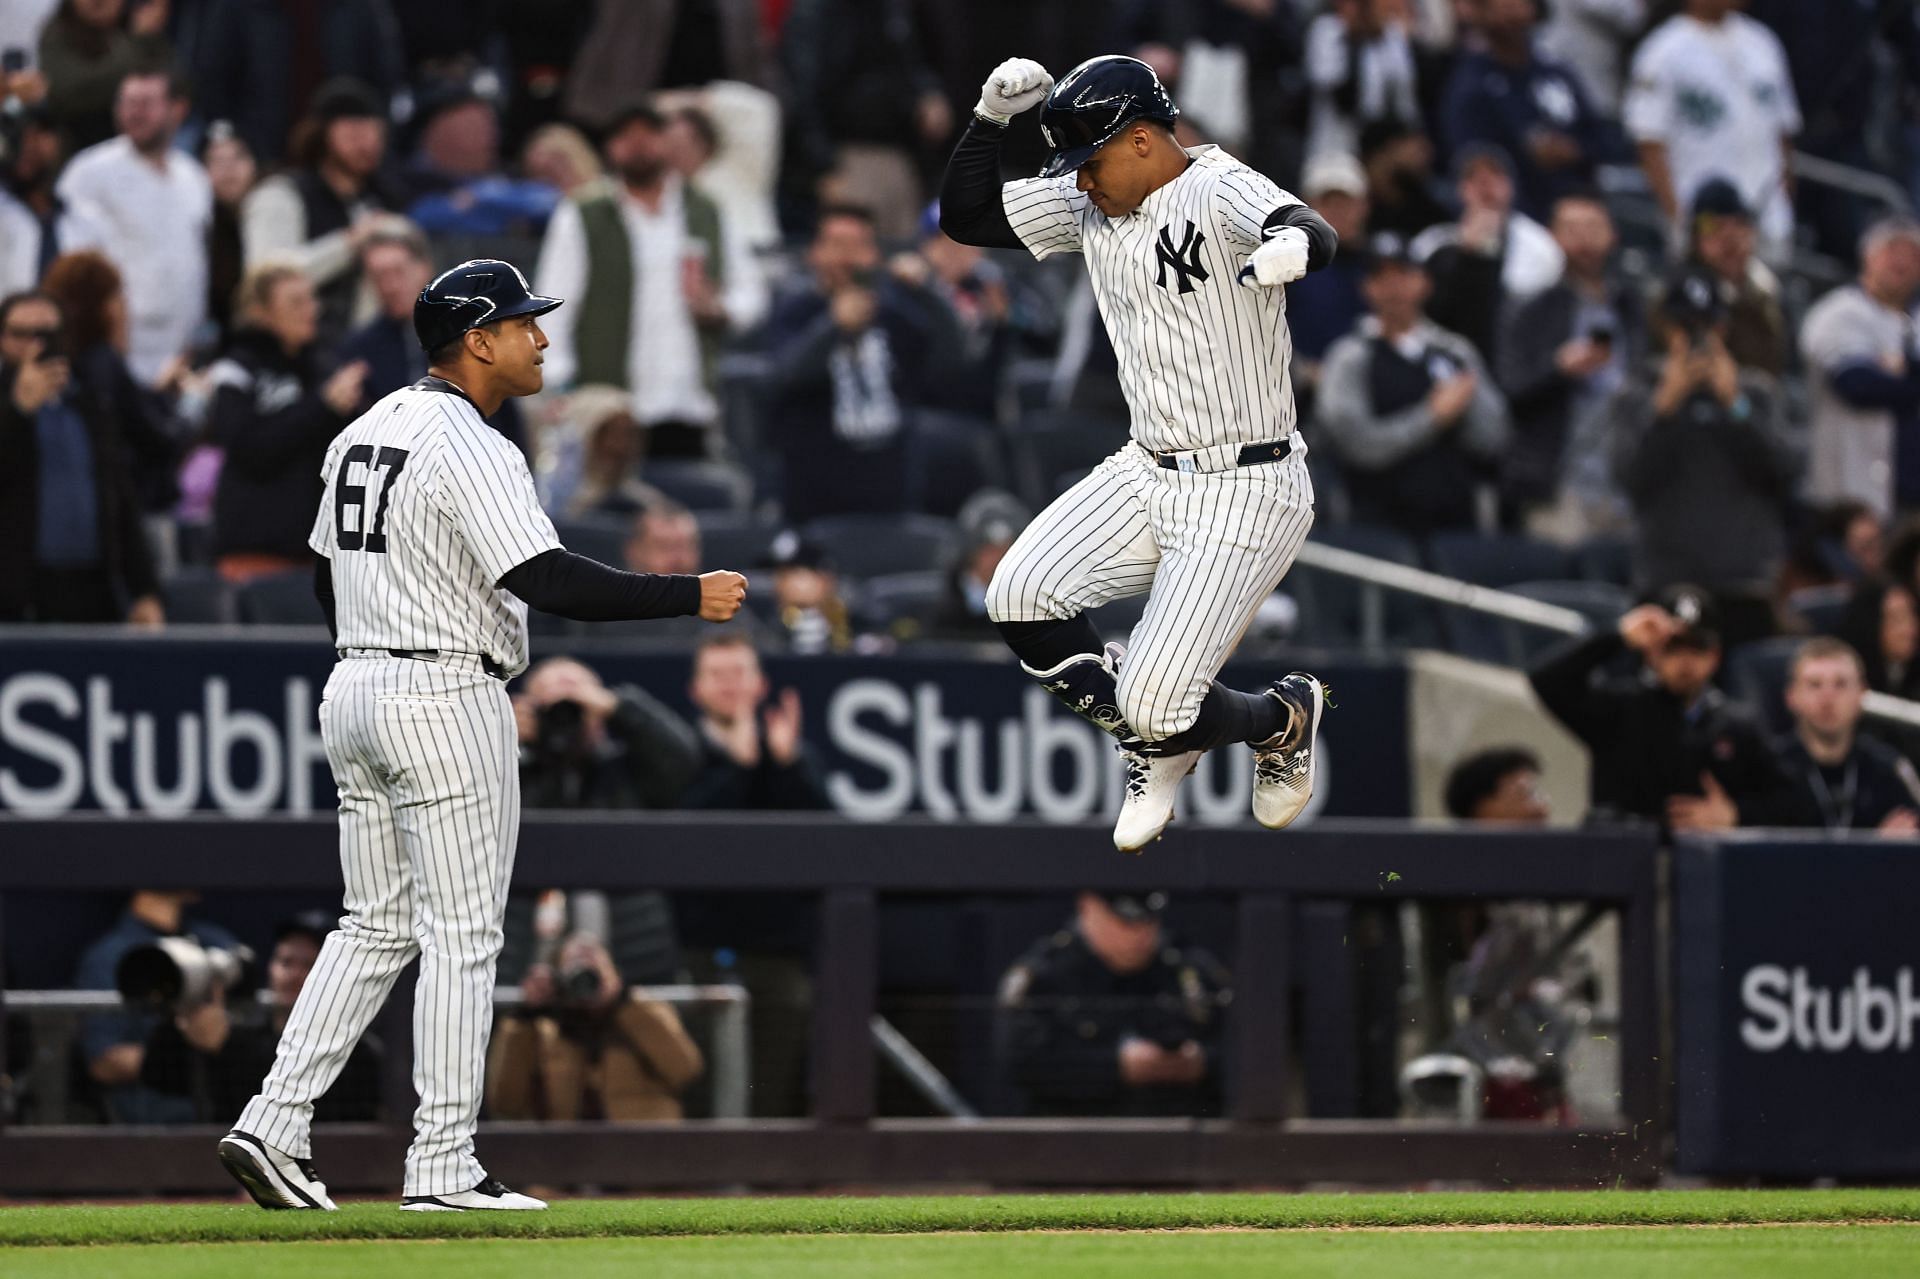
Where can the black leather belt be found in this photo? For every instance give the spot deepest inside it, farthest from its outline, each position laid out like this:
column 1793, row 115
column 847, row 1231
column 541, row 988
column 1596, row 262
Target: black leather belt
column 1251, row 455
column 487, row 664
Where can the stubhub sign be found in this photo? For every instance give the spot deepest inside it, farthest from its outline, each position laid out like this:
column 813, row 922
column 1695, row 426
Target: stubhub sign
column 160, row 727
column 1797, row 1016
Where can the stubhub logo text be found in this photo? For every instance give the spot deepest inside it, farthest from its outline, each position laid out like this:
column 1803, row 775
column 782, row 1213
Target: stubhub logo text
column 1786, row 1009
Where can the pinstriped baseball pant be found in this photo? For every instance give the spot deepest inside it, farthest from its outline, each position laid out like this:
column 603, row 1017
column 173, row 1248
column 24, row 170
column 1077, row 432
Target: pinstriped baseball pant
column 1209, row 547
column 426, row 759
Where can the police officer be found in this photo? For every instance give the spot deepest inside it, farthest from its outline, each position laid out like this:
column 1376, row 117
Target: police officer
column 1667, row 745
column 1109, row 1016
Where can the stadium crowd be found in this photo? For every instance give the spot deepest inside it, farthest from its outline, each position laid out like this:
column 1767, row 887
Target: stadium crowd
column 1593, row 334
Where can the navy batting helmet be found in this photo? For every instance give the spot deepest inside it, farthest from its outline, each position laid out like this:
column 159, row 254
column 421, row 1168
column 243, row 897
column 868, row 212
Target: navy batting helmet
column 1092, row 103
column 470, row 295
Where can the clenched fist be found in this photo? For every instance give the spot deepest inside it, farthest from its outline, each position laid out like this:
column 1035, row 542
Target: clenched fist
column 720, row 595
column 1016, row 85
column 1281, row 259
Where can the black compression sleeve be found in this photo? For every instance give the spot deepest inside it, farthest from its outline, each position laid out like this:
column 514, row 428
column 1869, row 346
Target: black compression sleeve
column 323, row 591
column 569, row 585
column 1321, row 238
column 970, row 207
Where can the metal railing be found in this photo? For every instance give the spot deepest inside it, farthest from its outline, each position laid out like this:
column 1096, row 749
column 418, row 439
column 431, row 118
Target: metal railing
column 1377, row 576
column 729, row 1062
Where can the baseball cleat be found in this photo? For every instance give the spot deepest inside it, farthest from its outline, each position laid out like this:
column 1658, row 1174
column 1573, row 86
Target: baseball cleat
column 489, row 1195
column 1147, row 807
column 274, row 1178
column 1283, row 764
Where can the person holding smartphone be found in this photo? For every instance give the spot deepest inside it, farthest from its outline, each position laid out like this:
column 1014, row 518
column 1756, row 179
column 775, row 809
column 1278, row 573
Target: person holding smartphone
column 71, row 545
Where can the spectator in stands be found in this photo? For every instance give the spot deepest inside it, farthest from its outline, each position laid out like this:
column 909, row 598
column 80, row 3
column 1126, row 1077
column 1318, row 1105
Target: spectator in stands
column 1592, row 37
column 851, row 355
column 397, row 264
column 232, row 174
column 865, row 106
column 633, row 50
column 806, row 610
column 1564, row 357
column 457, row 182
column 1858, row 344
column 1498, row 787
column 1837, row 778
column 1361, row 69
column 584, row 745
column 1510, row 95
column 560, row 156
column 215, row 1062
column 262, row 65
column 36, row 224
column 86, row 49
column 1720, row 245
column 93, row 305
column 655, row 280
column 584, row 1045
column 71, row 545
column 665, row 539
column 755, row 757
column 1409, row 408
column 592, row 456
column 114, row 1044
column 1492, row 258
column 1711, row 96
column 1327, row 304
column 275, row 409
column 155, row 206
column 1882, row 625
column 724, row 139
column 1110, row 1016
column 1708, row 458
column 1402, row 195
column 990, row 523
column 318, row 216
column 964, row 293
column 1667, row 745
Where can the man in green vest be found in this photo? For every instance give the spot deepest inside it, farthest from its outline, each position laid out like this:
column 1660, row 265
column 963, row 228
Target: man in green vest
column 661, row 281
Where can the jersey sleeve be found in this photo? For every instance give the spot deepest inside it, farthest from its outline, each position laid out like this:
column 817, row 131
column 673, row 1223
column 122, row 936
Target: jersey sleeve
column 1045, row 213
column 486, row 493
column 320, row 540
column 1647, row 112
column 1242, row 200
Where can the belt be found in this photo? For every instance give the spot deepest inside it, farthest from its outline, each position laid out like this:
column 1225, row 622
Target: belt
column 1217, row 458
column 487, row 664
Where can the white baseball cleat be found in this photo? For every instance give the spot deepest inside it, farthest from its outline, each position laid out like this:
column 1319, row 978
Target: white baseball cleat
column 1147, row 807
column 1283, row 764
column 274, row 1178
column 489, row 1195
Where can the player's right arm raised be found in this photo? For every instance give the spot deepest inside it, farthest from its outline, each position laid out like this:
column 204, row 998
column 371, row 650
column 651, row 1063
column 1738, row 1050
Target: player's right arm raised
column 971, row 205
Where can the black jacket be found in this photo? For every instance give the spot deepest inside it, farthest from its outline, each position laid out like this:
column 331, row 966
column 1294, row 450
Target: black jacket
column 1874, row 781
column 123, row 545
column 1646, row 746
column 220, row 1084
column 268, row 417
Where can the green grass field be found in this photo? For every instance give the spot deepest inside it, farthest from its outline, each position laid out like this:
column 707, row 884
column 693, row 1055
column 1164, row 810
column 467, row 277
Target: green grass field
column 1698, row 1234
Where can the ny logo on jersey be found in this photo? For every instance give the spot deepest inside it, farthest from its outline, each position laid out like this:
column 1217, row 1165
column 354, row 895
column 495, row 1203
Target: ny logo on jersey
column 1185, row 260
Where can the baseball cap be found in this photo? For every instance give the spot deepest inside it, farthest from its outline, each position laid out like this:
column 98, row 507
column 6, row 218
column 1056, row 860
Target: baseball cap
column 308, row 923
column 1477, row 153
column 1390, row 248
column 1719, row 198
column 792, row 549
column 345, row 98
column 1331, row 172
column 1693, row 301
column 1698, row 615
column 1136, row 907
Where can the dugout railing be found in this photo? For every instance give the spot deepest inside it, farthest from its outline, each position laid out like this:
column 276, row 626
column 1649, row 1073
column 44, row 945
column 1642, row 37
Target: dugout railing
column 840, row 870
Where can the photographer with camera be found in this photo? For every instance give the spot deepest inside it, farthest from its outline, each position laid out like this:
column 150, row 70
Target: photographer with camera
column 114, row 1044
column 582, row 1045
column 1709, row 460
column 1109, row 1016
column 214, row 1048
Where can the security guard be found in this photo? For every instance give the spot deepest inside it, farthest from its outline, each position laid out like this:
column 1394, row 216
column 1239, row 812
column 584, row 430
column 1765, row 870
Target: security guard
column 1109, row 1016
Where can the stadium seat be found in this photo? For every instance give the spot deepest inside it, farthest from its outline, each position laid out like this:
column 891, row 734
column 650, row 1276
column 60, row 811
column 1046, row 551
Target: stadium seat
column 872, row 545
column 1601, row 603
column 1496, row 559
column 701, row 486
column 282, row 599
column 1050, row 445
column 950, row 457
column 198, row 597
column 1824, row 607
column 1756, row 674
column 1606, row 559
column 602, row 538
column 1333, row 607
column 734, row 540
column 896, row 597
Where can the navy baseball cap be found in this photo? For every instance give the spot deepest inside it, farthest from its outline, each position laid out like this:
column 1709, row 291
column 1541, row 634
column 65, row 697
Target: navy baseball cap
column 473, row 294
column 1136, row 907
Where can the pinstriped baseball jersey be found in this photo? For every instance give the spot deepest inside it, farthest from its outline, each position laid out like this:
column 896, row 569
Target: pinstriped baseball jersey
column 426, row 508
column 1203, row 358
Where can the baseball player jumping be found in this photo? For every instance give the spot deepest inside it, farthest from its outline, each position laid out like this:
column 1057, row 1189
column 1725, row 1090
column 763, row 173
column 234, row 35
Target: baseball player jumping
column 432, row 544
column 1206, row 508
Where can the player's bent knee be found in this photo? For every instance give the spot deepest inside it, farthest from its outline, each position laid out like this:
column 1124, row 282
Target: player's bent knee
column 1150, row 714
column 1006, row 602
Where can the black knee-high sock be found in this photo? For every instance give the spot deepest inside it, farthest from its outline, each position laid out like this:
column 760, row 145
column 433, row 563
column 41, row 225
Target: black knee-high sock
column 1044, row 645
column 1226, row 716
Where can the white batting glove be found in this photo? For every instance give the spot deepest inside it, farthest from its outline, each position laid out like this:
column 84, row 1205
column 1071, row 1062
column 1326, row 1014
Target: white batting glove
column 1281, row 260
column 1016, row 85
